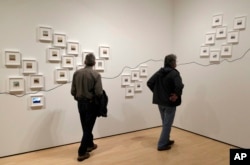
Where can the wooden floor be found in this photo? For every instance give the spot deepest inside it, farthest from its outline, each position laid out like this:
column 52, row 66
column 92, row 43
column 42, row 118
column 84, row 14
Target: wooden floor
column 137, row 148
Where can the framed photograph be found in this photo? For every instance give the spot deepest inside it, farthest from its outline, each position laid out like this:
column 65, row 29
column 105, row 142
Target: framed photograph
column 130, row 91
column 16, row 84
column 233, row 37
column 104, row 52
column 143, row 71
column 138, row 86
column 36, row 100
column 45, row 34
column 73, row 48
column 135, row 75
column 210, row 39
column 54, row 54
column 68, row 61
column 59, row 40
column 99, row 65
column 226, row 50
column 62, row 75
column 12, row 58
column 84, row 53
column 217, row 20
column 221, row 32
column 240, row 23
column 204, row 51
column 215, row 56
column 36, row 81
column 29, row 66
column 126, row 79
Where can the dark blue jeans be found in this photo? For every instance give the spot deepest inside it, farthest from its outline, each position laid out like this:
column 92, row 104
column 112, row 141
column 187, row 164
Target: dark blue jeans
column 167, row 117
column 88, row 117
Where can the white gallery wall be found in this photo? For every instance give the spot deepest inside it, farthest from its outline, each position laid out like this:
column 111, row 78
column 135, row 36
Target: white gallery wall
column 138, row 32
column 216, row 97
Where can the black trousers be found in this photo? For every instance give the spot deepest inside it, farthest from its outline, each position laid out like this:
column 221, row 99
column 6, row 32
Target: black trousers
column 87, row 113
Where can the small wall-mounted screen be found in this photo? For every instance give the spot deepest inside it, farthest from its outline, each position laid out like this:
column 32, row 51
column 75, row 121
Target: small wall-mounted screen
column 36, row 100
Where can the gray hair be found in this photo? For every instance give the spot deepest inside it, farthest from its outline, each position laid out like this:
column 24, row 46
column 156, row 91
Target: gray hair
column 90, row 59
column 170, row 60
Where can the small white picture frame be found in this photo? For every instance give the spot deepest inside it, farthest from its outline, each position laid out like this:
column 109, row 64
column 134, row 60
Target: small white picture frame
column 104, row 51
column 59, row 40
column 130, row 91
column 29, row 66
column 36, row 81
column 16, row 84
column 138, row 86
column 143, row 69
column 45, row 34
column 68, row 61
column 73, row 48
column 204, row 51
column 12, row 58
column 210, row 39
column 54, row 54
column 100, row 65
column 126, row 79
column 215, row 56
column 233, row 37
column 61, row 75
column 84, row 54
column 217, row 20
column 226, row 50
column 36, row 100
column 135, row 75
column 239, row 23
column 221, row 32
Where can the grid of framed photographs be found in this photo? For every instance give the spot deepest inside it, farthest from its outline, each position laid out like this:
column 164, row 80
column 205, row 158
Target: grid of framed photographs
column 231, row 37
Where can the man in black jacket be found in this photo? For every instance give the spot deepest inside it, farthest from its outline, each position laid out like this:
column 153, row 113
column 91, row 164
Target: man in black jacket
column 166, row 85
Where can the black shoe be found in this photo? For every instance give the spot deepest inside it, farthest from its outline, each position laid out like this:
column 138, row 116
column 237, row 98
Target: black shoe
column 83, row 157
column 168, row 147
column 170, row 142
column 89, row 149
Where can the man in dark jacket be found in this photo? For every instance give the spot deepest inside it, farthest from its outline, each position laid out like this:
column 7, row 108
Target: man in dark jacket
column 86, row 85
column 166, row 85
